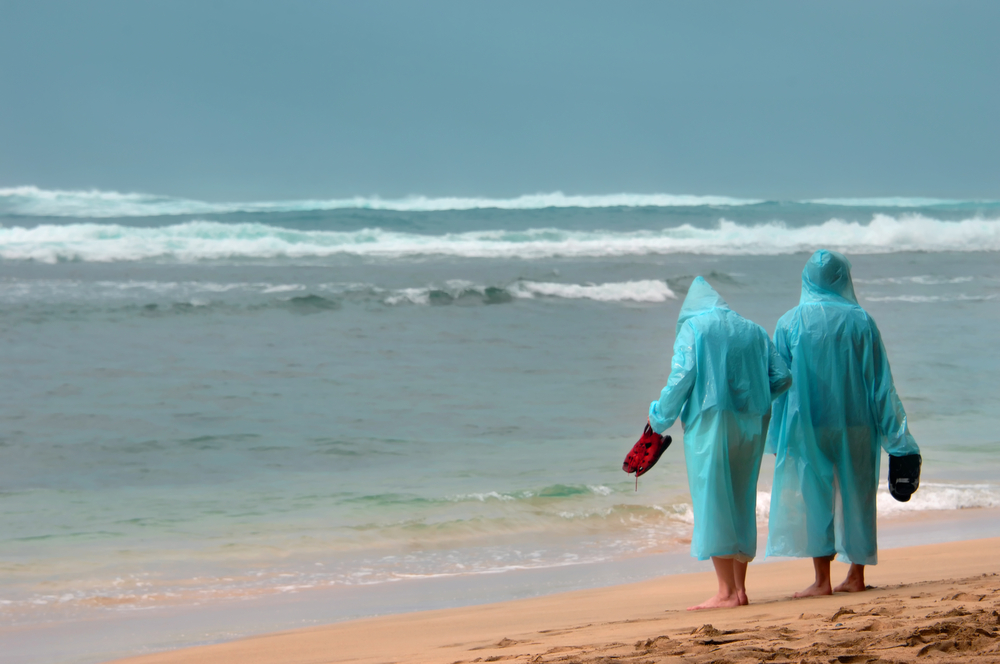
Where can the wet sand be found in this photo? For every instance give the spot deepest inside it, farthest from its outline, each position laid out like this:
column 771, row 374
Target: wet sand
column 926, row 603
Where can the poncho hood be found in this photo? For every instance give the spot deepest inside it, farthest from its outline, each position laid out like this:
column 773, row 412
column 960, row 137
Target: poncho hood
column 701, row 298
column 827, row 278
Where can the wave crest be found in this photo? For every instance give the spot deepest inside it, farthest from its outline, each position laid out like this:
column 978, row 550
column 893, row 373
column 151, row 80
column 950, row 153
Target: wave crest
column 210, row 240
column 35, row 202
column 647, row 290
column 931, row 497
column 31, row 201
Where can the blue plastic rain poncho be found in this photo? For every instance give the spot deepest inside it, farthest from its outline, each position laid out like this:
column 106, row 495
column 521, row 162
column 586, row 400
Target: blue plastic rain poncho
column 827, row 429
column 724, row 373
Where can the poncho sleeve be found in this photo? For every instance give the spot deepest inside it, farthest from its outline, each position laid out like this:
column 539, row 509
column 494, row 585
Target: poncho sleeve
column 778, row 373
column 784, row 354
column 888, row 410
column 663, row 413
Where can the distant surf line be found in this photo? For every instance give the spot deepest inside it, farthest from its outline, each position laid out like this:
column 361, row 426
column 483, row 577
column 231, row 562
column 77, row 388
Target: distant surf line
column 31, row 201
column 211, row 240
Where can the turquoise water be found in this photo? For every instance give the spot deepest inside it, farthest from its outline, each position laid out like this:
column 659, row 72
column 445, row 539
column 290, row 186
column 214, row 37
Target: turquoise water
column 207, row 401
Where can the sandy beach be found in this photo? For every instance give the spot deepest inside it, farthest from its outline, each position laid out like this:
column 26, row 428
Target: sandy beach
column 925, row 603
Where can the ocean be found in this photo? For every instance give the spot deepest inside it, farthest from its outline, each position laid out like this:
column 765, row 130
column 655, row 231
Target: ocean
column 209, row 403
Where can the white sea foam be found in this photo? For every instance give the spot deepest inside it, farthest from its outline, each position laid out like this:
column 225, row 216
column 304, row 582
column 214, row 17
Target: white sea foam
column 651, row 290
column 15, row 290
column 921, row 280
column 648, row 290
column 284, row 288
column 483, row 497
column 930, row 299
column 409, row 295
column 763, row 505
column 939, row 496
column 895, row 202
column 206, row 240
column 73, row 290
column 682, row 512
column 97, row 204
column 32, row 201
column 932, row 496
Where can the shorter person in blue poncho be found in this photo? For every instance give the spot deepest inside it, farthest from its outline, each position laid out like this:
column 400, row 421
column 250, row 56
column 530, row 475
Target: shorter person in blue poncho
column 827, row 429
column 724, row 373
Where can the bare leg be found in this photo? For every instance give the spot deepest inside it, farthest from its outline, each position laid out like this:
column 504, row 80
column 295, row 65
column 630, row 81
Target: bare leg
column 855, row 581
column 727, row 595
column 740, row 575
column 822, row 584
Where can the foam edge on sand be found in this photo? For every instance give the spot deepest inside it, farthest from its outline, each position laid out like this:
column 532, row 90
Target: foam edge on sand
column 927, row 603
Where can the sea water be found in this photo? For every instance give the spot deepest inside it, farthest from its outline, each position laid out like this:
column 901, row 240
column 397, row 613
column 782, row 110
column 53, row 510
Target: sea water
column 209, row 401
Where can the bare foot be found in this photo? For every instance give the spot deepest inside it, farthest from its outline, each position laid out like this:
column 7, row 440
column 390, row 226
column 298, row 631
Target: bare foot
column 855, row 581
column 742, row 597
column 815, row 590
column 850, row 586
column 718, row 602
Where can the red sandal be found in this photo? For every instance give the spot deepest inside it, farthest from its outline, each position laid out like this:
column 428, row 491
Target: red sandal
column 645, row 453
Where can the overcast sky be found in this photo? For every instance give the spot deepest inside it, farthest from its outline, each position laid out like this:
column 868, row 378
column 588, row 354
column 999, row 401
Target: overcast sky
column 267, row 100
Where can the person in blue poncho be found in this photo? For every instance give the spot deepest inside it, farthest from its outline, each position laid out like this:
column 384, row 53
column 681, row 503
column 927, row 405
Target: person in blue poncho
column 827, row 429
column 724, row 374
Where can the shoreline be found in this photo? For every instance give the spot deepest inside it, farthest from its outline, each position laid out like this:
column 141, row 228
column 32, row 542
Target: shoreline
column 950, row 580
column 108, row 633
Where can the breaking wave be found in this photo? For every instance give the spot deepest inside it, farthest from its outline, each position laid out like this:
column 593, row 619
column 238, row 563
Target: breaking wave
column 939, row 496
column 151, row 296
column 210, row 240
column 900, row 202
column 96, row 204
column 32, row 201
column 646, row 290
column 649, row 290
column 930, row 299
column 932, row 496
column 920, row 280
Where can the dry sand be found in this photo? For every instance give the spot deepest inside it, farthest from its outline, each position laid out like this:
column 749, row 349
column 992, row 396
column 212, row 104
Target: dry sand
column 929, row 603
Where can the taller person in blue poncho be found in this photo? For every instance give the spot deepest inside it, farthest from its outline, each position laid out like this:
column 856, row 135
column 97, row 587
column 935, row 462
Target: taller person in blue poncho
column 724, row 373
column 827, row 429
